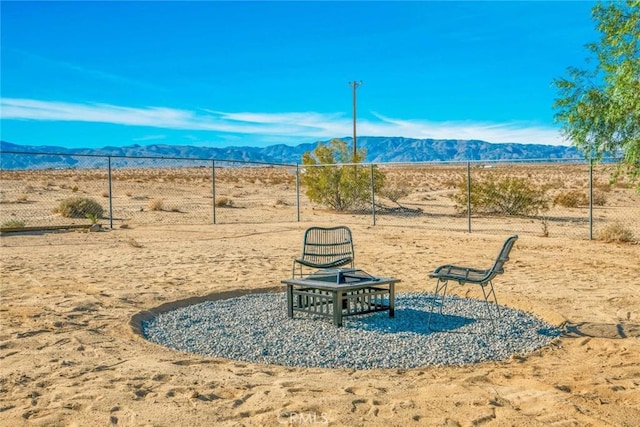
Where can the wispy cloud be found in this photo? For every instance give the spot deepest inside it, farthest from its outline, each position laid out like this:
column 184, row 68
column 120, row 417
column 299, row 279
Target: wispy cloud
column 301, row 125
column 150, row 138
column 85, row 71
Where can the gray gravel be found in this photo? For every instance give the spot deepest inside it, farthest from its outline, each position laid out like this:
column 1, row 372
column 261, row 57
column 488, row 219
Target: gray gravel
column 255, row 328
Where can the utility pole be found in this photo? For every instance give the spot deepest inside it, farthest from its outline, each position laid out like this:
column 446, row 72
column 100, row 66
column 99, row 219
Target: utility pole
column 354, row 84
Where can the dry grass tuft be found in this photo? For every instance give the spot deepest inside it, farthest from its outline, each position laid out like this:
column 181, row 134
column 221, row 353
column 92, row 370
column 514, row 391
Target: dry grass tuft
column 571, row 199
column 224, row 202
column 155, row 204
column 616, row 232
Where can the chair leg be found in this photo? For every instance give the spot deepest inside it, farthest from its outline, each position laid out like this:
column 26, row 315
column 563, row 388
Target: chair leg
column 487, row 295
column 441, row 285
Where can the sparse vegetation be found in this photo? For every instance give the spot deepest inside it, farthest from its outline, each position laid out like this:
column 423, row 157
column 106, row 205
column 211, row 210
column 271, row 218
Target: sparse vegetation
column 79, row 207
column 155, row 204
column 13, row 223
column 224, row 202
column 615, row 232
column 506, row 195
column 571, row 199
column 93, row 218
column 395, row 192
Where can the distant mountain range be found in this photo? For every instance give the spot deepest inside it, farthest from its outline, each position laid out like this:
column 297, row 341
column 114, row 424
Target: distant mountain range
column 379, row 150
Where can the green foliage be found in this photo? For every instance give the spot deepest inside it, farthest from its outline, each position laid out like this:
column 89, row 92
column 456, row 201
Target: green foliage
column 93, row 218
column 507, row 195
column 13, row 223
column 340, row 187
column 599, row 108
column 79, row 207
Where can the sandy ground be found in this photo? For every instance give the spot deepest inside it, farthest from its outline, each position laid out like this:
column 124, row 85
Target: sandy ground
column 69, row 353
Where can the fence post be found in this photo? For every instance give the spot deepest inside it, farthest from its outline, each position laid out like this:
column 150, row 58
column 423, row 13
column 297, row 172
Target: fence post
column 110, row 193
column 469, row 196
column 590, row 199
column 298, row 190
column 213, row 189
column 373, row 197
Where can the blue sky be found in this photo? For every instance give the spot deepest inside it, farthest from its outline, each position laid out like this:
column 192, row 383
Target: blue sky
column 91, row 74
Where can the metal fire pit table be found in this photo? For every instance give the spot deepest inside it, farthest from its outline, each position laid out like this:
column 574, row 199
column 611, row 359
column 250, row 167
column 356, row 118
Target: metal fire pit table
column 338, row 293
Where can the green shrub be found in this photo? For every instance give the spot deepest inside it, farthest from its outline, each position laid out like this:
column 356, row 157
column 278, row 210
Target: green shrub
column 79, row 207
column 506, row 195
column 13, row 223
column 339, row 187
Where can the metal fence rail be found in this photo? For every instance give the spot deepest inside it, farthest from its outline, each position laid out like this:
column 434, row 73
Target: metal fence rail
column 557, row 197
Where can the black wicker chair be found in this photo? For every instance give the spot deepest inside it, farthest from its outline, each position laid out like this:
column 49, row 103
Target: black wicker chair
column 463, row 275
column 324, row 248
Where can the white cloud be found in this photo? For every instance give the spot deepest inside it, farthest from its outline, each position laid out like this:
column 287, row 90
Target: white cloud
column 150, row 138
column 300, row 125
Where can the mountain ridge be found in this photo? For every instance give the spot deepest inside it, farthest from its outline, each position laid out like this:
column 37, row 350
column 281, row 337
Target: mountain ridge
column 379, row 150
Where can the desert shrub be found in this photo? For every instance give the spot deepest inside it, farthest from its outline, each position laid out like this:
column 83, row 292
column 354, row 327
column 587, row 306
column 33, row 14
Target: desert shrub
column 599, row 198
column 93, row 218
column 155, row 204
column 224, row 202
column 339, row 187
column 395, row 192
column 615, row 232
column 13, row 223
column 506, row 195
column 79, row 207
column 571, row 199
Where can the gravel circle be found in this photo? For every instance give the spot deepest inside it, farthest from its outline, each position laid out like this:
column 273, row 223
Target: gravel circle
column 255, row 328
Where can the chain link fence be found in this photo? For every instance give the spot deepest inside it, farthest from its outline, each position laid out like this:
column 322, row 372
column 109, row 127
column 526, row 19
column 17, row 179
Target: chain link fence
column 560, row 198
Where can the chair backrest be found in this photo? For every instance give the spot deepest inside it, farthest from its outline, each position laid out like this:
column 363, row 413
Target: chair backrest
column 328, row 247
column 503, row 256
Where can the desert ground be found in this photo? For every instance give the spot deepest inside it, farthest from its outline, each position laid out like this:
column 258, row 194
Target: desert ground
column 71, row 354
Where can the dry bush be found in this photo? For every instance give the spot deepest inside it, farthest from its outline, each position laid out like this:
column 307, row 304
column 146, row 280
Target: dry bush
column 616, row 232
column 224, row 202
column 395, row 192
column 599, row 198
column 79, row 207
column 571, row 199
column 105, row 194
column 155, row 204
column 74, row 189
column 605, row 187
column 22, row 198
